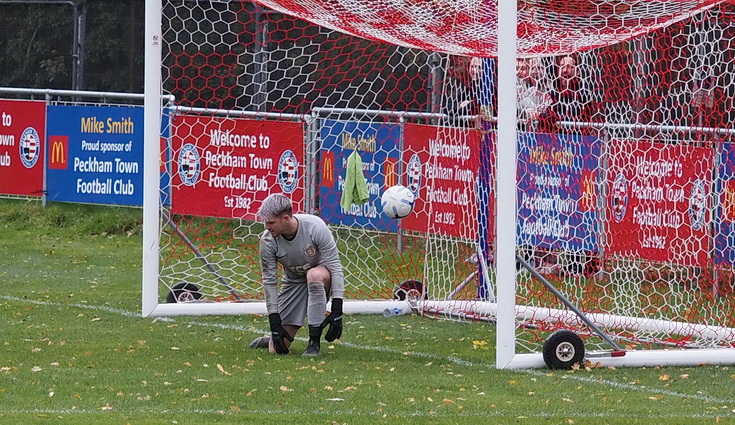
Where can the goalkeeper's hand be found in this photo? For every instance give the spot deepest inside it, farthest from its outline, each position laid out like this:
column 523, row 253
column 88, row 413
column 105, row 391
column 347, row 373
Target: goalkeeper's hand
column 278, row 334
column 334, row 321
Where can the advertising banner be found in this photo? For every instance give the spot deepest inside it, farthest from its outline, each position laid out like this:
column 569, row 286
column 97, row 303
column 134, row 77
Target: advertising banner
column 659, row 201
column 557, row 189
column 442, row 166
column 22, row 135
column 378, row 147
column 225, row 167
column 165, row 161
column 724, row 252
column 95, row 154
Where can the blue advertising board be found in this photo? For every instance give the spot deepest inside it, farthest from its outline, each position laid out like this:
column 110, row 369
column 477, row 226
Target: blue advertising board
column 557, row 191
column 725, row 207
column 379, row 149
column 165, row 157
column 95, row 154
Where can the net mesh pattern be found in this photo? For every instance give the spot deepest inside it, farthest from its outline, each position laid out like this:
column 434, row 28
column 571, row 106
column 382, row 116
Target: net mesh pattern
column 470, row 27
column 625, row 165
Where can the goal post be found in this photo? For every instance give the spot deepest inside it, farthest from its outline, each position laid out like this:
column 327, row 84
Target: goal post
column 506, row 178
column 151, row 157
column 601, row 157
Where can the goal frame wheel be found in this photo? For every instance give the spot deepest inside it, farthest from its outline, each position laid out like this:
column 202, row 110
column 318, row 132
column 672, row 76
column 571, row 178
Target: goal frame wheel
column 183, row 292
column 410, row 289
column 563, row 349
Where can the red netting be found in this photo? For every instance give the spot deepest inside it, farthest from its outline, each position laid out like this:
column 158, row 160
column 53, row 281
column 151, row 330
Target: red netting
column 545, row 27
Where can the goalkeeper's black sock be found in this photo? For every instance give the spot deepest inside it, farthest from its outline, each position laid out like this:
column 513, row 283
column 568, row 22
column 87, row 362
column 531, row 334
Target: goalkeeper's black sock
column 315, row 334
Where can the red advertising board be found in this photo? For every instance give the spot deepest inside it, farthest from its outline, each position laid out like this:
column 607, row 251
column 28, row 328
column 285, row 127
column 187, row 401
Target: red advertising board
column 659, row 201
column 441, row 169
column 22, row 138
column 225, row 167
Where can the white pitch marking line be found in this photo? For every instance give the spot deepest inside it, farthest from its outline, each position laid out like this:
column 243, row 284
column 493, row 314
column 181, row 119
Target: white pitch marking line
column 322, row 412
column 451, row 359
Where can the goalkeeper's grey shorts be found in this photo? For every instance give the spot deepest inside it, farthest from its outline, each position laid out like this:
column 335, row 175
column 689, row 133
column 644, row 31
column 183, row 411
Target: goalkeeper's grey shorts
column 293, row 302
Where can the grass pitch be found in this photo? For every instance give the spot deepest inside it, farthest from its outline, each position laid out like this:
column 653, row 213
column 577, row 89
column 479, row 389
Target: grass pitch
column 75, row 350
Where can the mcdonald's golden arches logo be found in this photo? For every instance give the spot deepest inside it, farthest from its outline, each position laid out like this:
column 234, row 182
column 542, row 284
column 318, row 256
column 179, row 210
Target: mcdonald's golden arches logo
column 390, row 172
column 728, row 203
column 328, row 169
column 59, row 152
column 589, row 192
column 164, row 155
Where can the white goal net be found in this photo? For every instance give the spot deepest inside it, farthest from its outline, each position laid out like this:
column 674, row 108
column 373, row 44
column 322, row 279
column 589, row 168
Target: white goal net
column 621, row 179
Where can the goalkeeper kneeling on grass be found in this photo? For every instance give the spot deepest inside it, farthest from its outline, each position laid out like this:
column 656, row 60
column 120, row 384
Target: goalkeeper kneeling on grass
column 305, row 247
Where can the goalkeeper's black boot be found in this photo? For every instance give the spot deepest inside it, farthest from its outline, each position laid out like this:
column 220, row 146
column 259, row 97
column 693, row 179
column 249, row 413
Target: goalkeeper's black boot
column 315, row 334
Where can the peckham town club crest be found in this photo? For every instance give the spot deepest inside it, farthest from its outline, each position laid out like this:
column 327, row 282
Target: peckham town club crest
column 288, row 171
column 619, row 197
column 189, row 164
column 30, row 147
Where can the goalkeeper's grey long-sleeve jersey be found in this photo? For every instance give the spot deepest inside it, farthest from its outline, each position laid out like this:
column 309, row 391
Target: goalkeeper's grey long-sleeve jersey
column 312, row 246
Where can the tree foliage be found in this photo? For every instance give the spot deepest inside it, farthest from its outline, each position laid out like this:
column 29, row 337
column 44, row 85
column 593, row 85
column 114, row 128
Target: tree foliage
column 37, row 45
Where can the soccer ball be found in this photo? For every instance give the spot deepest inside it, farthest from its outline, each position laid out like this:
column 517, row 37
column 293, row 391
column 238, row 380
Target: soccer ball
column 397, row 201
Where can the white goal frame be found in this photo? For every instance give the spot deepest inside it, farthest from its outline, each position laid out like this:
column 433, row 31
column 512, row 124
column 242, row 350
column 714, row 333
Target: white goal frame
column 152, row 219
column 505, row 309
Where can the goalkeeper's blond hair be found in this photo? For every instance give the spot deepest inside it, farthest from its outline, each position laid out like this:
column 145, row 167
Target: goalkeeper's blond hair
column 275, row 205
